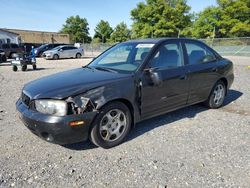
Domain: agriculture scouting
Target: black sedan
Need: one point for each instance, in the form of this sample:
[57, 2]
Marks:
[128, 83]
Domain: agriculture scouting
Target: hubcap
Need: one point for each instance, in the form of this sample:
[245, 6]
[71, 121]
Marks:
[219, 94]
[113, 125]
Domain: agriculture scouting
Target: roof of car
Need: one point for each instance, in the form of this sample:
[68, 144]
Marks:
[156, 40]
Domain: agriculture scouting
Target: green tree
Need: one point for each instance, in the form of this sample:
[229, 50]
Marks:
[77, 28]
[230, 18]
[160, 18]
[121, 33]
[103, 31]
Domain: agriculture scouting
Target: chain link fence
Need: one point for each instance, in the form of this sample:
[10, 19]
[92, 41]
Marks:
[230, 46]
[224, 46]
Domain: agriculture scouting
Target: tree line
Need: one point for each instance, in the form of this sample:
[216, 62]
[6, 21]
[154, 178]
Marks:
[168, 18]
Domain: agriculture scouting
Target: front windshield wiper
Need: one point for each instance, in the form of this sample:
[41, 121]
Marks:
[88, 67]
[106, 69]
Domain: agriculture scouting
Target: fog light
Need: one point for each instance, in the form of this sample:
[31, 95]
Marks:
[76, 123]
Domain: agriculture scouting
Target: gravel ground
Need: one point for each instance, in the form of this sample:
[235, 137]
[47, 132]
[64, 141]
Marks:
[192, 147]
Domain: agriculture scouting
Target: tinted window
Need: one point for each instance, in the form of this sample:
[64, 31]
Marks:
[168, 56]
[5, 46]
[198, 53]
[71, 48]
[65, 48]
[14, 46]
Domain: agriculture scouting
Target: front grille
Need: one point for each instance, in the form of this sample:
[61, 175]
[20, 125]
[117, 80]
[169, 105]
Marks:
[25, 99]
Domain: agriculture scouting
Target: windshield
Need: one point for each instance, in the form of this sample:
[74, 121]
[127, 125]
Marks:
[124, 57]
[43, 46]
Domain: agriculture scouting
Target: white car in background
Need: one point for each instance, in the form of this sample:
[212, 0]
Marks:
[64, 51]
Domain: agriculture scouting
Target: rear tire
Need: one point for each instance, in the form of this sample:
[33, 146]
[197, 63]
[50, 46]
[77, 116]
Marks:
[217, 96]
[111, 125]
[56, 57]
[14, 68]
[34, 67]
[78, 55]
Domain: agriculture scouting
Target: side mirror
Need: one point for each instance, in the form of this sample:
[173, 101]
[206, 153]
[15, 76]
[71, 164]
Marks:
[60, 50]
[154, 76]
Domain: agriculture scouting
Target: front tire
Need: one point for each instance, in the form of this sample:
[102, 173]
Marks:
[111, 125]
[217, 96]
[56, 57]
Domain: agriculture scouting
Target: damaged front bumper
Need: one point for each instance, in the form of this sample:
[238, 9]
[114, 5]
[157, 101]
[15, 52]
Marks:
[56, 129]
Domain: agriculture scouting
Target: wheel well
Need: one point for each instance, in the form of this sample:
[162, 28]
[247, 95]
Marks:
[224, 80]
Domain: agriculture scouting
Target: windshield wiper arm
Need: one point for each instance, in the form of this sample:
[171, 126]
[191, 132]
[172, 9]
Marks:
[88, 67]
[105, 69]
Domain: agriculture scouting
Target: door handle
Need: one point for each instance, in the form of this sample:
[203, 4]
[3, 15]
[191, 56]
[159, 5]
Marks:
[183, 77]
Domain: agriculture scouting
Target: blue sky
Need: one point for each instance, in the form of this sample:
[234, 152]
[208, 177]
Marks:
[49, 15]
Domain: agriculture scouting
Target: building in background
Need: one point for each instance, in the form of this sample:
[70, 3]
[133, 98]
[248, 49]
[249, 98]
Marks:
[7, 36]
[36, 37]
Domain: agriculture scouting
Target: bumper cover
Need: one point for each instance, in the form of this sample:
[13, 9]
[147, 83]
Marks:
[53, 128]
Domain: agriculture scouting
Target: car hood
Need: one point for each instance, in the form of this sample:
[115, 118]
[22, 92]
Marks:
[70, 83]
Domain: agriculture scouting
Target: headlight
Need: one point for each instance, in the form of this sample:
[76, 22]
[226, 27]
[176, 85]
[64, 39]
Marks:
[53, 107]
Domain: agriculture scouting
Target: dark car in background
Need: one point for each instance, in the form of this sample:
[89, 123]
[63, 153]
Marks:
[39, 51]
[2, 56]
[128, 83]
[10, 49]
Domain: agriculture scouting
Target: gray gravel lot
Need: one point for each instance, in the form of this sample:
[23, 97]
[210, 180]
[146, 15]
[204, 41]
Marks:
[192, 147]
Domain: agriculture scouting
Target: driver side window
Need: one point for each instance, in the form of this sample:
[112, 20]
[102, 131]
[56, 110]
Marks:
[168, 56]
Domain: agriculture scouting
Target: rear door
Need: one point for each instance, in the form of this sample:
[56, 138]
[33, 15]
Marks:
[72, 51]
[64, 52]
[172, 93]
[202, 68]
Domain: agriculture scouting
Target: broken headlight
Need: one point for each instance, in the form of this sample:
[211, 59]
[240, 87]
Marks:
[53, 107]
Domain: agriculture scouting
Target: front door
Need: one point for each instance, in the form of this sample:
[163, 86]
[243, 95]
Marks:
[172, 93]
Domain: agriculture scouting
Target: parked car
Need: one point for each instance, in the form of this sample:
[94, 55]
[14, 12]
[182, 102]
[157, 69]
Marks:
[65, 51]
[126, 84]
[39, 51]
[2, 56]
[11, 49]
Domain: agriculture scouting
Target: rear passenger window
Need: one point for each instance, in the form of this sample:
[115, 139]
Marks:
[198, 53]
[168, 56]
